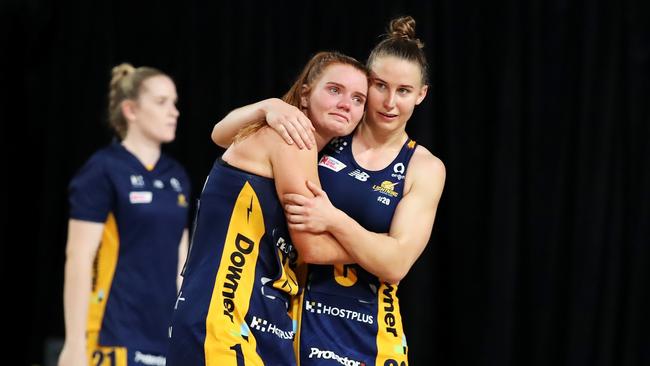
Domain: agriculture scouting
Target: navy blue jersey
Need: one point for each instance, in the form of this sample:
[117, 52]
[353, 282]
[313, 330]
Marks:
[348, 315]
[233, 307]
[134, 274]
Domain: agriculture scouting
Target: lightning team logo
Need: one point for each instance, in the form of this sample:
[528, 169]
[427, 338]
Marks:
[386, 187]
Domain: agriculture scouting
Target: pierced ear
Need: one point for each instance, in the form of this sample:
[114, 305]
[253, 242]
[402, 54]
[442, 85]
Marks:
[422, 95]
[128, 109]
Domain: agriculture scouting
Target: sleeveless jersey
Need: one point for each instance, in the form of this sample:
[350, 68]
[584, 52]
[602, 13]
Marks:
[238, 281]
[348, 315]
[134, 274]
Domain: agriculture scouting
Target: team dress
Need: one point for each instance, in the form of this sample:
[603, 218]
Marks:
[348, 316]
[234, 304]
[144, 212]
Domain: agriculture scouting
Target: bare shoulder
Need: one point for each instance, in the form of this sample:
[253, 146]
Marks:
[426, 174]
[424, 163]
[281, 150]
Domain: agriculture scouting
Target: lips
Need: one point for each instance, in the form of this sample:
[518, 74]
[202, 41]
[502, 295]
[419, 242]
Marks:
[387, 115]
[340, 116]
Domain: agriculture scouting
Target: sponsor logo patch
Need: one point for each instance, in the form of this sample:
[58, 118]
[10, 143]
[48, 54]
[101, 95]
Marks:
[386, 187]
[329, 355]
[331, 163]
[320, 308]
[140, 197]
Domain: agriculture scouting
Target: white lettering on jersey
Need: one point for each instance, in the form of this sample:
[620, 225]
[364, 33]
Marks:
[384, 200]
[330, 355]
[147, 359]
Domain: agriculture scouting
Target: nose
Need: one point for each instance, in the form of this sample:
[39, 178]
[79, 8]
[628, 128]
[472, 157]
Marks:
[174, 111]
[344, 104]
[389, 100]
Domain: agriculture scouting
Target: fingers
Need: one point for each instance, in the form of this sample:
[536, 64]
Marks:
[297, 227]
[315, 189]
[294, 210]
[285, 134]
[295, 199]
[299, 128]
[295, 219]
[309, 129]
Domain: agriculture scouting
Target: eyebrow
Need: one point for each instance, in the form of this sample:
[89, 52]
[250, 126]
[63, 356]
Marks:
[343, 87]
[400, 86]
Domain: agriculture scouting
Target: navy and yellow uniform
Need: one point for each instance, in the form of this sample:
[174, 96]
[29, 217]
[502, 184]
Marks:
[238, 281]
[144, 212]
[348, 316]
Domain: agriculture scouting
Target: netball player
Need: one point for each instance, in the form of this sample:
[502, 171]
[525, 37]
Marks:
[233, 308]
[385, 191]
[127, 232]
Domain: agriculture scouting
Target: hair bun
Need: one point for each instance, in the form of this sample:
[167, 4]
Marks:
[404, 28]
[120, 71]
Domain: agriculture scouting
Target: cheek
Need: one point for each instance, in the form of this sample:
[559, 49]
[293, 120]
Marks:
[407, 104]
[374, 99]
[357, 114]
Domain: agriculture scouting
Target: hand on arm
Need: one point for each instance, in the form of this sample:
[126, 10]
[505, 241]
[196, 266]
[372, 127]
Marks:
[83, 240]
[291, 169]
[288, 121]
[389, 257]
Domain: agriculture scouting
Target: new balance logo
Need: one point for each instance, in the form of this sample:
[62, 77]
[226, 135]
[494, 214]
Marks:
[362, 176]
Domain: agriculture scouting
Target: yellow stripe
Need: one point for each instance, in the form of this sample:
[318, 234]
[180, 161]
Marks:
[295, 311]
[287, 282]
[226, 329]
[104, 356]
[391, 342]
[103, 271]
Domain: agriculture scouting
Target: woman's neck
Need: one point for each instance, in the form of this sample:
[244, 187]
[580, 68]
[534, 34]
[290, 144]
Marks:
[321, 141]
[147, 151]
[374, 138]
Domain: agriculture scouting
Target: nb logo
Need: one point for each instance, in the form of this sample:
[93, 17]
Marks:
[362, 176]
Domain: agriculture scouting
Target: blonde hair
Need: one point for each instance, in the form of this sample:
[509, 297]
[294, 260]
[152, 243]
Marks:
[126, 84]
[309, 76]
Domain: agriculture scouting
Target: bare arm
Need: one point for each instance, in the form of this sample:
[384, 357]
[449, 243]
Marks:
[83, 240]
[291, 169]
[287, 120]
[182, 256]
[389, 257]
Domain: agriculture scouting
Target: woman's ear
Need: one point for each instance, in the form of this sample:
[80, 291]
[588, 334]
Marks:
[304, 96]
[422, 94]
[128, 109]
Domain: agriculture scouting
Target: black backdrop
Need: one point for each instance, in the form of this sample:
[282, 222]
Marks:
[539, 109]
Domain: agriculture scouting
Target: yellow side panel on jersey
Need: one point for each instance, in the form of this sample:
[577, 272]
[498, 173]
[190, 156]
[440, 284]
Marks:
[227, 335]
[295, 311]
[103, 271]
[391, 342]
[104, 356]
[287, 282]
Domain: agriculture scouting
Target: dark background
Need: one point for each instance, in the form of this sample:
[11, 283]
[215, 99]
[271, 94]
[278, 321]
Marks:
[539, 109]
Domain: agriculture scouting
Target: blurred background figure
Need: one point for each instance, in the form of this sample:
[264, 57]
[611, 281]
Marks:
[127, 235]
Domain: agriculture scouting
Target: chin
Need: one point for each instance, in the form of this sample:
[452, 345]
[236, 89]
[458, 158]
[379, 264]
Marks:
[167, 139]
